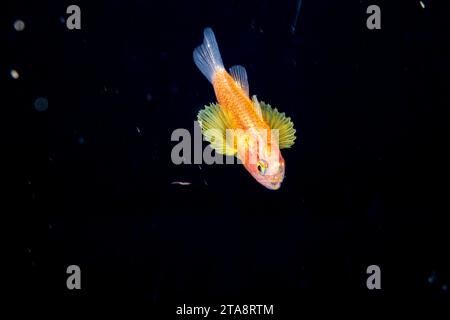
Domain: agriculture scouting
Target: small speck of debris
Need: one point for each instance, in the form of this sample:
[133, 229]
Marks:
[41, 104]
[14, 74]
[182, 183]
[422, 4]
[206, 183]
[432, 277]
[138, 130]
[200, 167]
[19, 25]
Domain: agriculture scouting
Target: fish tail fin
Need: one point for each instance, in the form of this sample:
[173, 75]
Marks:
[207, 56]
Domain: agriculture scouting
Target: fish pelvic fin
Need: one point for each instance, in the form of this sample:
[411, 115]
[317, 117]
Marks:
[207, 56]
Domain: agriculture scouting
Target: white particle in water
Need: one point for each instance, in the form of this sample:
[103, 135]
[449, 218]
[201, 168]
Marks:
[14, 74]
[41, 104]
[432, 277]
[19, 25]
[181, 183]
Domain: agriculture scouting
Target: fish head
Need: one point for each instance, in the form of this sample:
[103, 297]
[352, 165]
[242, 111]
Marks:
[268, 169]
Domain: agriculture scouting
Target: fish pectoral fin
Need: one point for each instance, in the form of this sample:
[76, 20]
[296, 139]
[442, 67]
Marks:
[278, 120]
[214, 123]
[239, 75]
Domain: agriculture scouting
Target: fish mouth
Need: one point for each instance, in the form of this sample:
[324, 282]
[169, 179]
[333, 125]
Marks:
[274, 185]
[274, 182]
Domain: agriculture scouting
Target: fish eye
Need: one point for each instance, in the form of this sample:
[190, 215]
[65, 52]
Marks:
[262, 166]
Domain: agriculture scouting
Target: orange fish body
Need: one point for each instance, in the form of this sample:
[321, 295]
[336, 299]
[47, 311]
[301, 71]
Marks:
[232, 98]
[254, 124]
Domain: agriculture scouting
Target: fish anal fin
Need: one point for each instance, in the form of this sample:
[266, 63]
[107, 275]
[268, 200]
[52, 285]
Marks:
[214, 123]
[239, 75]
[278, 120]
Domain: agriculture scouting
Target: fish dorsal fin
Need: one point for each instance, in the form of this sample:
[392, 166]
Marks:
[214, 122]
[239, 75]
[257, 106]
[278, 120]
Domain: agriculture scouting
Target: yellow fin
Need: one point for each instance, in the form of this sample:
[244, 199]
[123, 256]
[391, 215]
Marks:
[214, 122]
[278, 120]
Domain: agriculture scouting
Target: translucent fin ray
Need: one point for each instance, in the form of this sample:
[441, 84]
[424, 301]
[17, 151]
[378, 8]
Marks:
[214, 123]
[277, 120]
[239, 75]
[207, 56]
[257, 105]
